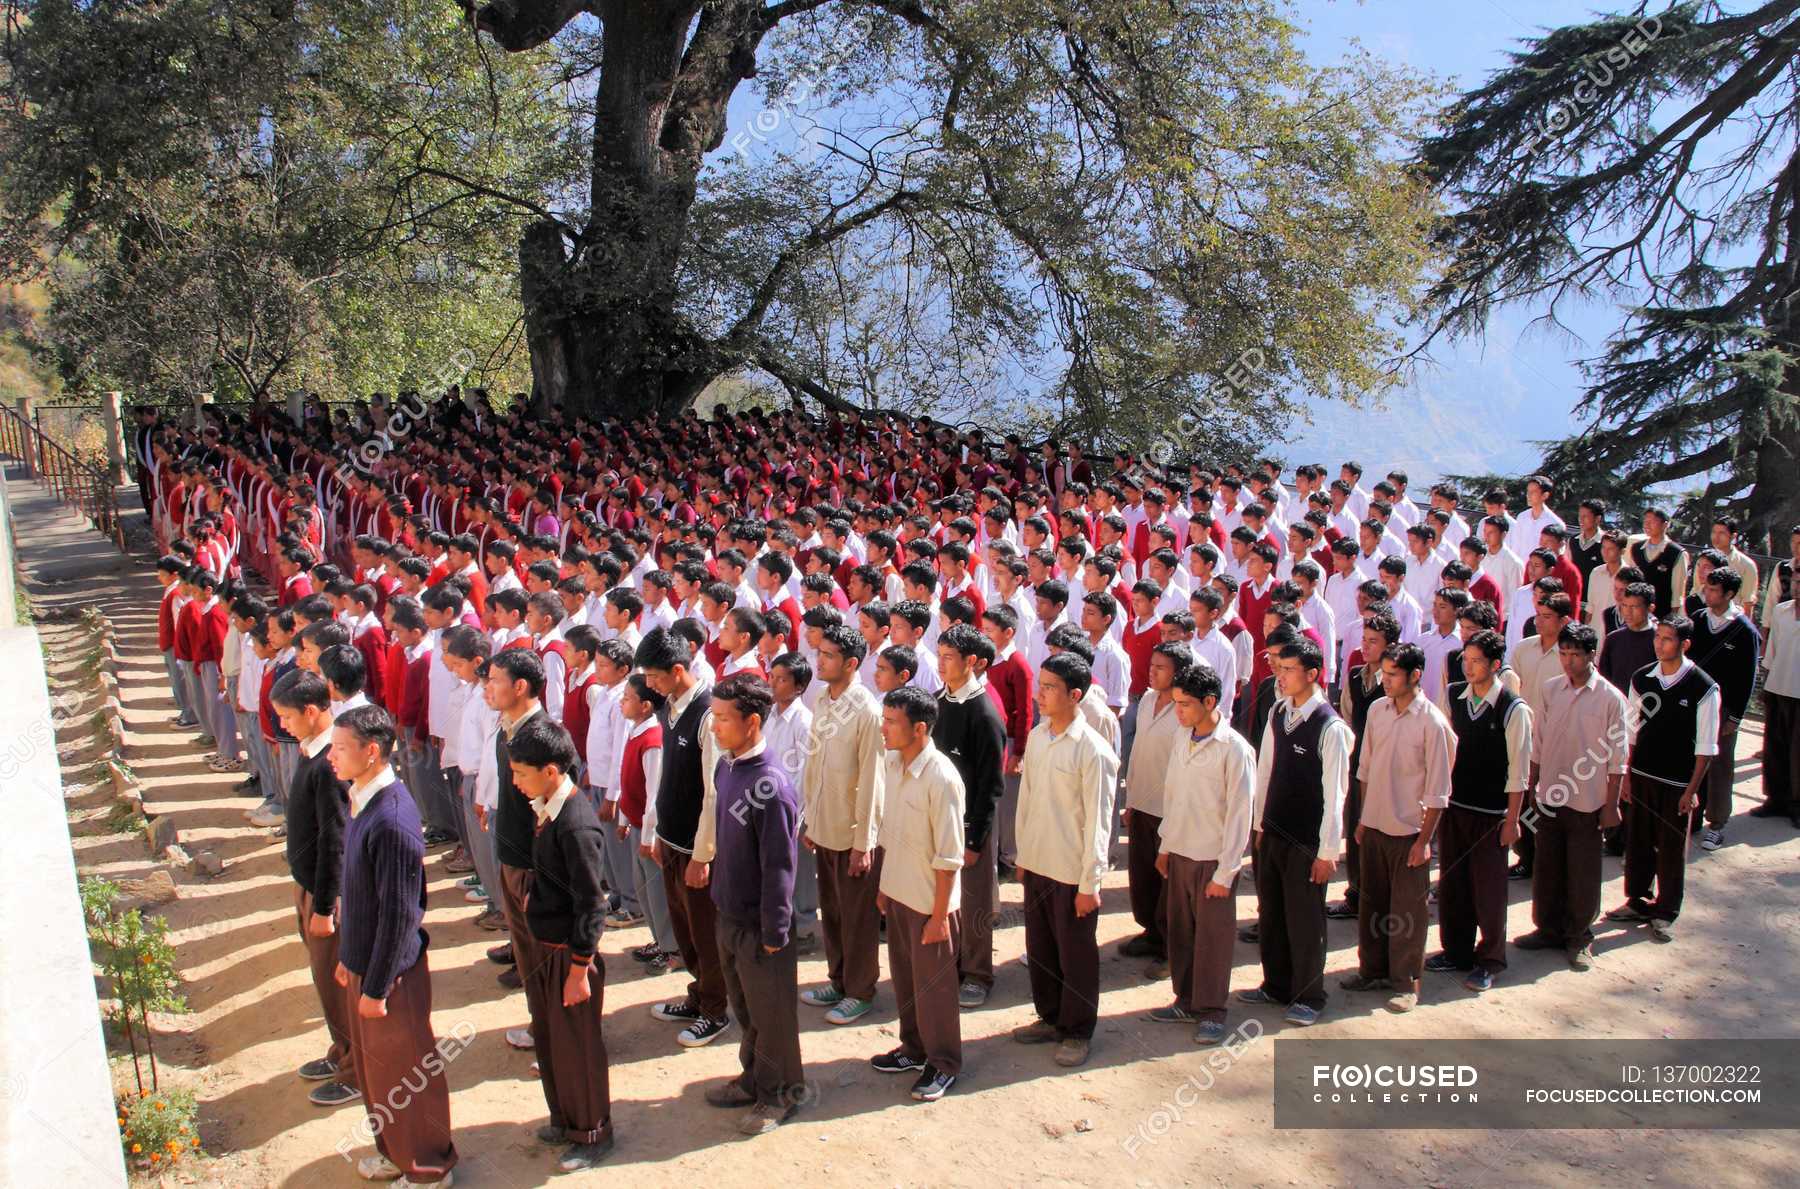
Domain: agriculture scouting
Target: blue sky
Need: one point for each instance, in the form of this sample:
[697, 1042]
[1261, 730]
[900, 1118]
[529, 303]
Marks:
[1487, 400]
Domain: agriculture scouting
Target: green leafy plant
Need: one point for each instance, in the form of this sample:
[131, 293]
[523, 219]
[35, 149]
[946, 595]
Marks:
[157, 1128]
[134, 954]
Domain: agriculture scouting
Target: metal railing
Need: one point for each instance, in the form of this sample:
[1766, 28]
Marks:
[82, 486]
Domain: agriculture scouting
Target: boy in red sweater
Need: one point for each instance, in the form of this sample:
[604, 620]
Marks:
[174, 596]
[213, 625]
[1009, 684]
[186, 646]
[370, 637]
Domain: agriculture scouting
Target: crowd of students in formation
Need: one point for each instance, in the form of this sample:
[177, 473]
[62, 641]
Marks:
[766, 684]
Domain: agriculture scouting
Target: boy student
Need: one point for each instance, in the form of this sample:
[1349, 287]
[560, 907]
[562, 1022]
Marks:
[564, 914]
[514, 688]
[169, 569]
[639, 772]
[1675, 734]
[1203, 839]
[757, 818]
[923, 843]
[279, 659]
[682, 840]
[1302, 770]
[1576, 798]
[419, 759]
[1404, 770]
[382, 964]
[842, 790]
[969, 731]
[1065, 820]
[369, 637]
[244, 687]
[1009, 681]
[1146, 795]
[908, 623]
[317, 814]
[1493, 728]
[1781, 699]
[1726, 647]
[470, 734]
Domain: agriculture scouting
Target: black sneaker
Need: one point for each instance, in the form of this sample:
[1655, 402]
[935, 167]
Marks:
[932, 1085]
[502, 954]
[509, 978]
[806, 943]
[1445, 964]
[645, 952]
[1250, 933]
[551, 1133]
[1518, 871]
[702, 1032]
[582, 1156]
[321, 1070]
[896, 1062]
[660, 964]
[436, 837]
[677, 1011]
[1342, 910]
[333, 1094]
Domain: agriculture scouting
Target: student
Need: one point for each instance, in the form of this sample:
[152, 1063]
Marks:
[514, 689]
[370, 638]
[1404, 770]
[248, 615]
[211, 620]
[639, 776]
[1380, 633]
[317, 811]
[1675, 731]
[920, 876]
[1663, 563]
[1065, 816]
[382, 963]
[1146, 793]
[1726, 646]
[565, 914]
[757, 819]
[1781, 704]
[1204, 839]
[1577, 766]
[842, 793]
[467, 745]
[1494, 730]
[169, 570]
[1009, 682]
[1302, 770]
[1632, 644]
[681, 831]
[1535, 659]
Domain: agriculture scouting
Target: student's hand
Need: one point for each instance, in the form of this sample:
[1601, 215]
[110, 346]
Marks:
[881, 903]
[1215, 891]
[859, 863]
[1420, 852]
[647, 850]
[1359, 833]
[481, 817]
[697, 874]
[1322, 870]
[807, 843]
[1085, 904]
[321, 925]
[1509, 831]
[575, 988]
[1162, 864]
[1690, 800]
[771, 949]
[371, 1009]
[609, 810]
[625, 831]
[936, 931]
[1015, 765]
[1610, 817]
[971, 857]
[342, 975]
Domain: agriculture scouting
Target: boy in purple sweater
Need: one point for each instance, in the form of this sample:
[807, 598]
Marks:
[381, 960]
[752, 877]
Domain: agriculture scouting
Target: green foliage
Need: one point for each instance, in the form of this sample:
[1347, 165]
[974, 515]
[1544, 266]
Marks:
[158, 1128]
[134, 955]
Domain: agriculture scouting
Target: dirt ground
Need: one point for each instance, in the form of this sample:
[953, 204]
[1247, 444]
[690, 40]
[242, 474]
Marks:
[1014, 1118]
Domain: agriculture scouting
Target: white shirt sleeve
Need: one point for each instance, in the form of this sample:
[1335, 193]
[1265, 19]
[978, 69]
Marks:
[652, 781]
[1518, 747]
[1334, 753]
[1265, 765]
[1240, 794]
[1706, 726]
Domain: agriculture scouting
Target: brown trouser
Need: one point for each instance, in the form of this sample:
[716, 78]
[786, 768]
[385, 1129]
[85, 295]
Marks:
[692, 917]
[1149, 898]
[925, 987]
[405, 1094]
[1716, 796]
[765, 998]
[975, 959]
[1656, 847]
[515, 891]
[1063, 952]
[1781, 753]
[322, 958]
[1472, 888]
[1565, 882]
[1202, 932]
[1393, 912]
[850, 921]
[571, 1051]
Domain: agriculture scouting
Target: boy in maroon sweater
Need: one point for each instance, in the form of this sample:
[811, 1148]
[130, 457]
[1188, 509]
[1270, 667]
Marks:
[1009, 684]
[370, 637]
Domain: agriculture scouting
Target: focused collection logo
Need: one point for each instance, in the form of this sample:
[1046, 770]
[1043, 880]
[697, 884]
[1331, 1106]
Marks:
[1396, 1083]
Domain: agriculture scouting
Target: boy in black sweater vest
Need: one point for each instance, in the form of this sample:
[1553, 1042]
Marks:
[970, 731]
[1726, 647]
[566, 914]
[317, 810]
[1675, 721]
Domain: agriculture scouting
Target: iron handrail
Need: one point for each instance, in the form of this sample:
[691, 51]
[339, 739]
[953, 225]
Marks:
[82, 486]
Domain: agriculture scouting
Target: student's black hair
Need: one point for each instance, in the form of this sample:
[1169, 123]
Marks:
[542, 742]
[847, 640]
[299, 689]
[1681, 625]
[969, 643]
[1409, 658]
[902, 659]
[1200, 682]
[640, 685]
[1306, 652]
[407, 613]
[369, 724]
[1071, 670]
[465, 643]
[583, 638]
[521, 664]
[343, 667]
[1003, 616]
[664, 650]
[1055, 590]
[1490, 644]
[749, 693]
[325, 635]
[918, 706]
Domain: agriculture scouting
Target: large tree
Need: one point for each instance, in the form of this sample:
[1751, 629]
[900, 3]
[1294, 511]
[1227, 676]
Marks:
[1081, 210]
[1649, 158]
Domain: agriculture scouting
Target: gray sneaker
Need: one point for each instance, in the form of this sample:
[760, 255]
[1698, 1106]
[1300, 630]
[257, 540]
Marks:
[1711, 839]
[1301, 1015]
[1172, 1013]
[1209, 1032]
[1662, 929]
[1581, 958]
[971, 994]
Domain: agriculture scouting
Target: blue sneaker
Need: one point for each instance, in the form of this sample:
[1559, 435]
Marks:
[1479, 979]
[1209, 1032]
[1301, 1015]
[1259, 997]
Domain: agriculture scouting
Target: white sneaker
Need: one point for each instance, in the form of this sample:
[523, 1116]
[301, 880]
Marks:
[267, 815]
[377, 1168]
[520, 1038]
[445, 1182]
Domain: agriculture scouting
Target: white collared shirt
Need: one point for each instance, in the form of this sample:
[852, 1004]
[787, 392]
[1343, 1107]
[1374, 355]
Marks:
[547, 810]
[362, 794]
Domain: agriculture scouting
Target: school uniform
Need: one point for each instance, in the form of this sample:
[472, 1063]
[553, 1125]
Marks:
[757, 819]
[1210, 795]
[1065, 811]
[1146, 793]
[1577, 744]
[1493, 749]
[318, 811]
[1302, 771]
[566, 916]
[684, 798]
[382, 943]
[1727, 650]
[284, 747]
[842, 797]
[1675, 719]
[1781, 703]
[167, 613]
[1404, 768]
[970, 733]
[922, 835]
[1664, 565]
[639, 772]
